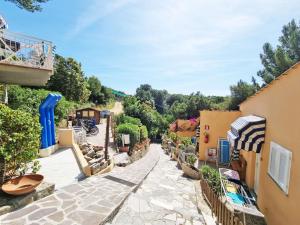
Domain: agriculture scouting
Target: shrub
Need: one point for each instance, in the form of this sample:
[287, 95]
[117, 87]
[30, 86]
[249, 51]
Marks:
[122, 118]
[191, 159]
[131, 129]
[19, 139]
[144, 133]
[29, 100]
[212, 177]
[173, 136]
[156, 124]
[186, 141]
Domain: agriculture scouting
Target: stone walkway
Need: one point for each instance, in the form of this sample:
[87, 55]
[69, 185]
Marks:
[164, 198]
[92, 201]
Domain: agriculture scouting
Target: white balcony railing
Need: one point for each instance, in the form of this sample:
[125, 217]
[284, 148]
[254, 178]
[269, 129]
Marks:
[22, 50]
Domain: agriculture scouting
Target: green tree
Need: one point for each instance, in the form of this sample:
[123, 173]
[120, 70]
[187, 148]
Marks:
[239, 93]
[68, 79]
[276, 61]
[143, 93]
[106, 95]
[179, 110]
[29, 100]
[173, 98]
[95, 89]
[195, 103]
[29, 5]
[156, 124]
[160, 97]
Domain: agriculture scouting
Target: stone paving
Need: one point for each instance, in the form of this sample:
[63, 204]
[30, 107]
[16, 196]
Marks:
[89, 202]
[164, 198]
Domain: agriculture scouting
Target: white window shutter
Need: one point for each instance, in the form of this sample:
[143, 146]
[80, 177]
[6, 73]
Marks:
[282, 170]
[280, 165]
[273, 160]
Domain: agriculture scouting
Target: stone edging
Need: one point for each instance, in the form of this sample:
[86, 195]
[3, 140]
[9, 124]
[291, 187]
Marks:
[84, 166]
[12, 203]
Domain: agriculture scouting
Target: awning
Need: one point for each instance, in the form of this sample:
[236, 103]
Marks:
[247, 133]
[3, 24]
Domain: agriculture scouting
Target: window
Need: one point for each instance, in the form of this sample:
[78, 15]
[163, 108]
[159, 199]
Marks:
[85, 113]
[280, 165]
[91, 113]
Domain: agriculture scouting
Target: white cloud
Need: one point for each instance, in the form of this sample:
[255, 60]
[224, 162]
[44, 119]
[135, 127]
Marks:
[96, 10]
[176, 38]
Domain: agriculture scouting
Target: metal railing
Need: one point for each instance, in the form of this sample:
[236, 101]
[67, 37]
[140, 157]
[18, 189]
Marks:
[22, 50]
[79, 135]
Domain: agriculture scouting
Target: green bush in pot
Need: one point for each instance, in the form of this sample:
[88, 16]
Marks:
[212, 177]
[186, 141]
[19, 140]
[131, 129]
[191, 159]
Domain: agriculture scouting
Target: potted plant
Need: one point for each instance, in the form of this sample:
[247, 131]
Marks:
[189, 169]
[124, 149]
[19, 143]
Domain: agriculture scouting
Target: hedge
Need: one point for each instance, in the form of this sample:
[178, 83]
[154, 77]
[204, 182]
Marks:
[29, 100]
[131, 129]
[122, 118]
[19, 139]
[144, 133]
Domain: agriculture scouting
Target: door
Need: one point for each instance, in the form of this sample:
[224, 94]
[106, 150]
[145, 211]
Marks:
[257, 172]
[224, 151]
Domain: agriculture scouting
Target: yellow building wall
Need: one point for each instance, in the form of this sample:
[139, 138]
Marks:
[280, 105]
[65, 137]
[219, 123]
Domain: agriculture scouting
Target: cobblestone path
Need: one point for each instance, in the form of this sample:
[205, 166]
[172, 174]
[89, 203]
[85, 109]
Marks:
[164, 198]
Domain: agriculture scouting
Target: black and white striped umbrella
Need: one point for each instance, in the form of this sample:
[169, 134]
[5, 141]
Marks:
[247, 133]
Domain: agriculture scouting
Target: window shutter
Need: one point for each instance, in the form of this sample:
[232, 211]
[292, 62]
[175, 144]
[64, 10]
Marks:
[284, 173]
[279, 165]
[272, 163]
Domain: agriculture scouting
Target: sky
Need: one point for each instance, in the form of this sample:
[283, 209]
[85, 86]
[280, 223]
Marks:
[182, 46]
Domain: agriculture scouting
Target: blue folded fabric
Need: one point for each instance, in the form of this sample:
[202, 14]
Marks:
[236, 198]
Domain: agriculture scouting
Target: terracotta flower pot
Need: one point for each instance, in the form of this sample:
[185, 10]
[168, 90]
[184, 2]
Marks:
[124, 149]
[23, 184]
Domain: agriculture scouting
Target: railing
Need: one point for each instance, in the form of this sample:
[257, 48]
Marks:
[223, 214]
[79, 135]
[22, 50]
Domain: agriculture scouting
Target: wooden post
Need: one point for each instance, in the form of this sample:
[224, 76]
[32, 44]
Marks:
[2, 169]
[107, 137]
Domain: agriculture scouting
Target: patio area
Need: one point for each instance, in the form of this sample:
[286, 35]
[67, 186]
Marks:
[61, 168]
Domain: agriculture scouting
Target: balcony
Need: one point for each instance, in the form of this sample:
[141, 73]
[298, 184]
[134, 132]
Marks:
[24, 60]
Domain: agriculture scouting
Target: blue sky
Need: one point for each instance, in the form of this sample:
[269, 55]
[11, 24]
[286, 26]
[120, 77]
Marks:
[182, 46]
